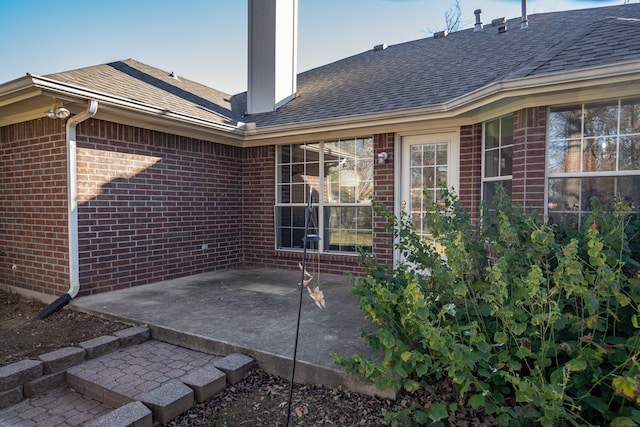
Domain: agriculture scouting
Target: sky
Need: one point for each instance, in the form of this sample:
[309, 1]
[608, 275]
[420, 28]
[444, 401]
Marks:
[206, 40]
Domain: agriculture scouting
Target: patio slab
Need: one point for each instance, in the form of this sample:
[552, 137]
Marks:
[251, 311]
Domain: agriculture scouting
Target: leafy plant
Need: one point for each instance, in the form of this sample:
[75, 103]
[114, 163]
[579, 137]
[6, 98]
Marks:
[533, 325]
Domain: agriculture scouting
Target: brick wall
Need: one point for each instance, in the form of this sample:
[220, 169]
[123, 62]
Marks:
[155, 206]
[258, 183]
[471, 169]
[383, 178]
[258, 218]
[529, 145]
[149, 201]
[258, 196]
[33, 206]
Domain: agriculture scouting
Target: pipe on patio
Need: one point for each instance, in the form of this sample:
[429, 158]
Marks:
[72, 207]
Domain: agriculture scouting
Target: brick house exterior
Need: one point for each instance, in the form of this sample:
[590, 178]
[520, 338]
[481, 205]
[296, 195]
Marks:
[173, 179]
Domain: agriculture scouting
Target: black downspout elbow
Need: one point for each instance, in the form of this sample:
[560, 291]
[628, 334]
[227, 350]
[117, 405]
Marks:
[53, 307]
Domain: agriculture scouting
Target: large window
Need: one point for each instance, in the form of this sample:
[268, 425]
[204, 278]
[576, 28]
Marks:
[498, 158]
[339, 177]
[593, 150]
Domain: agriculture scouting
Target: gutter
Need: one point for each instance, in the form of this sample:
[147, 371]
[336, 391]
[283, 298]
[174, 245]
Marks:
[72, 212]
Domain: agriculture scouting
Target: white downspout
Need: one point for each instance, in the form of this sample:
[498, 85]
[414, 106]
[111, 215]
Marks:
[72, 196]
[72, 210]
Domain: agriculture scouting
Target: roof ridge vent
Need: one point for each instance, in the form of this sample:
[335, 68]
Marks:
[441, 34]
[379, 47]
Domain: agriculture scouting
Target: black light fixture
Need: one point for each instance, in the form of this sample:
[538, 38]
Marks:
[57, 111]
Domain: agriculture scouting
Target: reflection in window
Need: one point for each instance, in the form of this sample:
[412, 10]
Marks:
[593, 151]
[429, 168]
[339, 177]
[498, 158]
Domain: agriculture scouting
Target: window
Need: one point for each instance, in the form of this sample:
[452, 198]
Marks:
[498, 158]
[593, 150]
[340, 177]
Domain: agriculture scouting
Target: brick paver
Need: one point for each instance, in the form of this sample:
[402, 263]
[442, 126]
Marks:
[97, 386]
[60, 408]
[138, 369]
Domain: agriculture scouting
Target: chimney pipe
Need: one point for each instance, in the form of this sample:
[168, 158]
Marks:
[524, 23]
[272, 73]
[478, 25]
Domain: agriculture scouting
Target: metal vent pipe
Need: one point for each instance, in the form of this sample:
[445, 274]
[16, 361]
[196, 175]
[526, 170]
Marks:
[524, 23]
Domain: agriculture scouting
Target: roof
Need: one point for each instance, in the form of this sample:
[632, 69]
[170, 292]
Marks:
[436, 73]
[430, 71]
[135, 81]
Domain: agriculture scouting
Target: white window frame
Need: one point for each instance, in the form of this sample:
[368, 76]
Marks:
[617, 173]
[499, 178]
[317, 205]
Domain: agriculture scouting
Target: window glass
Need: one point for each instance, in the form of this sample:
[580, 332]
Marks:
[630, 116]
[593, 151]
[498, 158]
[339, 176]
[565, 123]
[599, 154]
[600, 119]
[489, 192]
[630, 152]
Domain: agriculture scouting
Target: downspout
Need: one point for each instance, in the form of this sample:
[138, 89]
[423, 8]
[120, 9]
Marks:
[72, 208]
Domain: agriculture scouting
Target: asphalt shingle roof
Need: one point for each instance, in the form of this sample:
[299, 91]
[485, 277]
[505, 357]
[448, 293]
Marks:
[429, 71]
[420, 73]
[135, 81]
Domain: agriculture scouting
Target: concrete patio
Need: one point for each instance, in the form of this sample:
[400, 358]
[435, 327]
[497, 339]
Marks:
[250, 311]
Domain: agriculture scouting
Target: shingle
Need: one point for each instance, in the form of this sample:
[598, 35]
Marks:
[135, 81]
[430, 72]
[421, 73]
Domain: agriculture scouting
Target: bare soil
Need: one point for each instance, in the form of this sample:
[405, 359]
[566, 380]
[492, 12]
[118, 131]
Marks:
[22, 337]
[260, 400]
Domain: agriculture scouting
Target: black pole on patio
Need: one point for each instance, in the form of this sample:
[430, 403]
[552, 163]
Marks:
[305, 239]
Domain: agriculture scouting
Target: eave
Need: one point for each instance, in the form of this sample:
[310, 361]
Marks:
[34, 95]
[482, 104]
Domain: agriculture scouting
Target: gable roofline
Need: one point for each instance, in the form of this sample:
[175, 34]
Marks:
[108, 100]
[138, 113]
[40, 91]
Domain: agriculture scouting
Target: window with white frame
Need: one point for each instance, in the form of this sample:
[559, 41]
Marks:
[498, 158]
[593, 150]
[339, 176]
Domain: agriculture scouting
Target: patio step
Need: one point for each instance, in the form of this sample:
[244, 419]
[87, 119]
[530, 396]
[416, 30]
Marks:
[147, 382]
[164, 377]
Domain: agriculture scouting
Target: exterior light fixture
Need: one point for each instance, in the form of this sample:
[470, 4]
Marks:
[57, 111]
[382, 157]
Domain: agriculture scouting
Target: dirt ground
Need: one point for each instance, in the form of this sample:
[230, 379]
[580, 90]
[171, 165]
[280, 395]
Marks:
[260, 400]
[25, 338]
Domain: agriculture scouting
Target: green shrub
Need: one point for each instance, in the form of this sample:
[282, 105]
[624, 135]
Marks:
[533, 324]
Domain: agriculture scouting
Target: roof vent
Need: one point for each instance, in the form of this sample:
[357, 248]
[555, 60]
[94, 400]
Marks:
[478, 25]
[524, 23]
[440, 34]
[502, 28]
[379, 47]
[498, 21]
